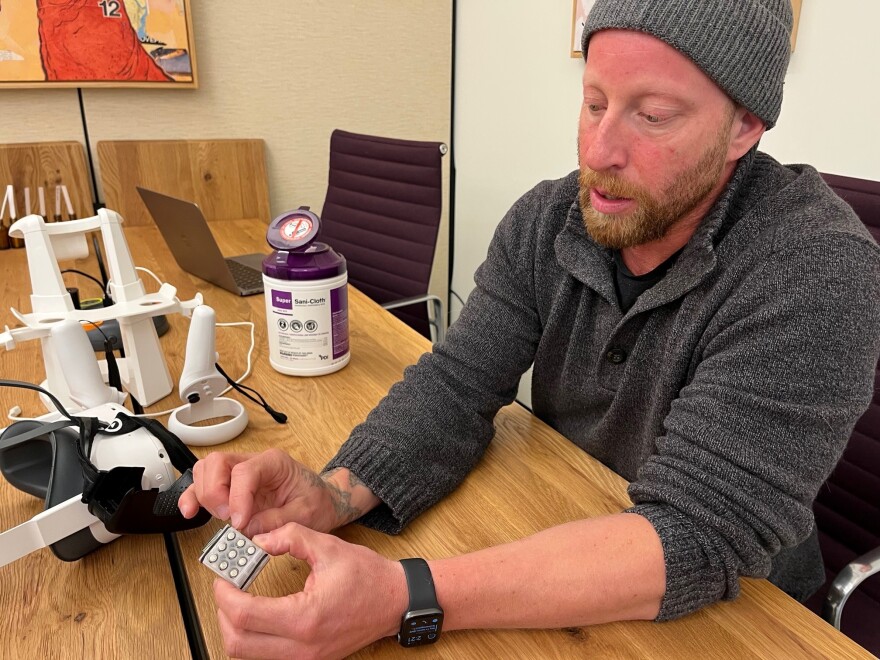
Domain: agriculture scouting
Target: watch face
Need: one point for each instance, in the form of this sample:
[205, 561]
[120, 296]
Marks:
[420, 627]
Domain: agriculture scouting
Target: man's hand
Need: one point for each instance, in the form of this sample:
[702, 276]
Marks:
[351, 598]
[261, 492]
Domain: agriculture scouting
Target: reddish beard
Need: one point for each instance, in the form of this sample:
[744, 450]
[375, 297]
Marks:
[654, 216]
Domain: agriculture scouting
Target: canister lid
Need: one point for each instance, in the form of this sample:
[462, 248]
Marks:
[317, 261]
[293, 230]
[297, 255]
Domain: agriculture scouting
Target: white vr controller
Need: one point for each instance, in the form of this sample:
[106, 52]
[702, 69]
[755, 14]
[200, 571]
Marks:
[76, 357]
[200, 383]
[200, 387]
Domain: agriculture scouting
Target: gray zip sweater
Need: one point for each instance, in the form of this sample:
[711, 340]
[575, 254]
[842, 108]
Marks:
[725, 395]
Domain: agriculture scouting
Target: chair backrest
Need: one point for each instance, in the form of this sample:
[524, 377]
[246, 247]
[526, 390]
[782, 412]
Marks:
[847, 508]
[382, 212]
[226, 178]
[47, 164]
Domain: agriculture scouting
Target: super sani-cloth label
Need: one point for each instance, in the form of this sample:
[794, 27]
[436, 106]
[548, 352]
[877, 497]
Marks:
[310, 328]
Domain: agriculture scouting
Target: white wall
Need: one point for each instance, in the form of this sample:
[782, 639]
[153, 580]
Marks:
[832, 91]
[517, 96]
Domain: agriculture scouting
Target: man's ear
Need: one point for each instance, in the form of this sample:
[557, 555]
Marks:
[745, 132]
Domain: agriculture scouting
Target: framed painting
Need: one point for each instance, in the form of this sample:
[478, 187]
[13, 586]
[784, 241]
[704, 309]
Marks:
[96, 43]
[796, 9]
[582, 8]
[579, 16]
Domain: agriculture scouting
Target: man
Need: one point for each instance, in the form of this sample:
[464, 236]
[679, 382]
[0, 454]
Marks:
[702, 319]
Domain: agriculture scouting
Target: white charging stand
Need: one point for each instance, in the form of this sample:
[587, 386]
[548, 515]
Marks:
[143, 370]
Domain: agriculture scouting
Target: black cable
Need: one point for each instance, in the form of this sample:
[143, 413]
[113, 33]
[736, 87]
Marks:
[136, 405]
[86, 426]
[100, 259]
[96, 203]
[106, 300]
[106, 338]
[457, 296]
[114, 379]
[82, 113]
[36, 388]
[452, 177]
[86, 275]
[279, 417]
[138, 409]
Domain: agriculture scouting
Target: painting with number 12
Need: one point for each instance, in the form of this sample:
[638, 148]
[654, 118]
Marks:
[96, 43]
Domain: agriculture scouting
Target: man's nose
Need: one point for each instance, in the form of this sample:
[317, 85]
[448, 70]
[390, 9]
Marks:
[604, 145]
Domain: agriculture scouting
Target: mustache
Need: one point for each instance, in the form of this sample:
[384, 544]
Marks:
[610, 185]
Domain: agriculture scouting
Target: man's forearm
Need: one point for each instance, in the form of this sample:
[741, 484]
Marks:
[585, 572]
[351, 497]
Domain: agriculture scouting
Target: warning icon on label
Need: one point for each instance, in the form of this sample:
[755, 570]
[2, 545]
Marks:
[282, 324]
[311, 326]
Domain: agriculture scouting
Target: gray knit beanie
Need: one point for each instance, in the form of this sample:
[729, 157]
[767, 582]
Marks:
[743, 45]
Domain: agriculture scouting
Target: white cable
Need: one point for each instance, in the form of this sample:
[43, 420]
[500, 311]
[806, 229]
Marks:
[241, 379]
[150, 273]
[160, 413]
[14, 414]
[247, 371]
[145, 270]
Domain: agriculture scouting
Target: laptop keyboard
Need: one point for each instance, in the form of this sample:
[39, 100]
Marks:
[245, 277]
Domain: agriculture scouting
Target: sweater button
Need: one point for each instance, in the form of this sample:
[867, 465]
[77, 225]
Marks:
[616, 355]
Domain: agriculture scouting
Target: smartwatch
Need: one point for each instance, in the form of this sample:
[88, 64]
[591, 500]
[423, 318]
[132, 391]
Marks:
[423, 619]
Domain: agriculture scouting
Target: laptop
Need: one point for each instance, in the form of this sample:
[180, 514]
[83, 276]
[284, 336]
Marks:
[189, 238]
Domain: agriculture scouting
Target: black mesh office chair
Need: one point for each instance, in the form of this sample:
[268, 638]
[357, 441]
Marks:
[382, 212]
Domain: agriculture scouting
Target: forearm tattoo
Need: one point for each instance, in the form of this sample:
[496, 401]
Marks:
[341, 499]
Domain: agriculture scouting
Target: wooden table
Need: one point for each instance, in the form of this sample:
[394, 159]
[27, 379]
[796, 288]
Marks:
[524, 484]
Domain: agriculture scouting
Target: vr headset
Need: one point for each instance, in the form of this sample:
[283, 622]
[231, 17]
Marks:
[101, 473]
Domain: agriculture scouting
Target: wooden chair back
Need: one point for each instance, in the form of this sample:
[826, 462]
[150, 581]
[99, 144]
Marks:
[47, 164]
[226, 178]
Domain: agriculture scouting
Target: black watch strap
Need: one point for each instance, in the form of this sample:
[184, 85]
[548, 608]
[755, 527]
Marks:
[422, 622]
[420, 583]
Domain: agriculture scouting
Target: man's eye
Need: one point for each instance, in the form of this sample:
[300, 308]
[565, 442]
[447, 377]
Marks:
[594, 107]
[652, 119]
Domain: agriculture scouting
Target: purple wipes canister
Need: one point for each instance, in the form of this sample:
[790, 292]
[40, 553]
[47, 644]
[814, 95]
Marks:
[306, 291]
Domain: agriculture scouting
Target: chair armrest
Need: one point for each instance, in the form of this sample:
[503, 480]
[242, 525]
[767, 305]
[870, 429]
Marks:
[437, 321]
[405, 302]
[849, 578]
